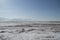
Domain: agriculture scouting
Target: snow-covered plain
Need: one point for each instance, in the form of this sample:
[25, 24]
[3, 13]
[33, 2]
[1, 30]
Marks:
[28, 33]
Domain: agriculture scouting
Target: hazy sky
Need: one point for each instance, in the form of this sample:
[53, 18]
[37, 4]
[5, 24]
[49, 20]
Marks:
[30, 9]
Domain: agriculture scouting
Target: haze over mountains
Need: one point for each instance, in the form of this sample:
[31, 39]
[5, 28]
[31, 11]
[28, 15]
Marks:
[14, 19]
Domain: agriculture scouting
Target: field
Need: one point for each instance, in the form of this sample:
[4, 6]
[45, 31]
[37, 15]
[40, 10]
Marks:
[30, 31]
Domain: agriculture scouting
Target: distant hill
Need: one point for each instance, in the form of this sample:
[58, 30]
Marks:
[2, 19]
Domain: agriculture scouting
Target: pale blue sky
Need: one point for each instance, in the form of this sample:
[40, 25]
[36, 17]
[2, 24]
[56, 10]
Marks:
[42, 10]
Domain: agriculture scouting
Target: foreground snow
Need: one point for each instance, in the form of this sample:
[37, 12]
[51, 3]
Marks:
[30, 35]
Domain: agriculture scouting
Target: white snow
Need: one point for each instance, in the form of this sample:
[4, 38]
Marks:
[32, 35]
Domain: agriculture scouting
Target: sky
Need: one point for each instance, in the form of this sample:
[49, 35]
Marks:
[40, 10]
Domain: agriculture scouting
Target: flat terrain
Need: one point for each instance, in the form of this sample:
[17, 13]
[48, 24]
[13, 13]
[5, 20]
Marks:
[30, 31]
